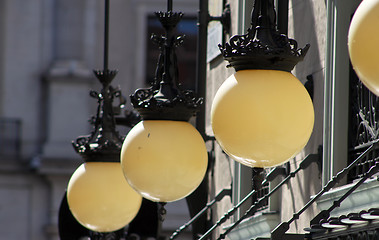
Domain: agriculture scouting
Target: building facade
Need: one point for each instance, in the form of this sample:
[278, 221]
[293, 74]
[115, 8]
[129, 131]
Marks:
[344, 120]
[48, 50]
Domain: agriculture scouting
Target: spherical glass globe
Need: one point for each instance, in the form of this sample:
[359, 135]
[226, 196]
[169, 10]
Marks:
[99, 197]
[363, 42]
[164, 160]
[262, 118]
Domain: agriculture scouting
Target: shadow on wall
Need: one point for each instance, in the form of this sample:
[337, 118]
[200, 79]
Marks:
[309, 26]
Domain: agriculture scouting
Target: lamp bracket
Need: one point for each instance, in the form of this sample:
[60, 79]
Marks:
[104, 143]
[165, 100]
[263, 47]
[224, 19]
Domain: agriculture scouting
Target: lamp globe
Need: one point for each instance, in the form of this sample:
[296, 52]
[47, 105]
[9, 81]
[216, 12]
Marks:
[363, 41]
[164, 160]
[99, 197]
[262, 118]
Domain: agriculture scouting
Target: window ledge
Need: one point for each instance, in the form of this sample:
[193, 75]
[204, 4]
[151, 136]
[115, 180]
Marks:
[260, 225]
[363, 198]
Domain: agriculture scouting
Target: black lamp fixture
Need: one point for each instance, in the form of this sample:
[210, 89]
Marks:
[97, 194]
[262, 115]
[164, 157]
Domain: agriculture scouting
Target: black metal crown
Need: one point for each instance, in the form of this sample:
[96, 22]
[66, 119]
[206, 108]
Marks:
[164, 100]
[263, 47]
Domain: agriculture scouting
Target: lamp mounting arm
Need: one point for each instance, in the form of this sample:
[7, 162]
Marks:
[224, 19]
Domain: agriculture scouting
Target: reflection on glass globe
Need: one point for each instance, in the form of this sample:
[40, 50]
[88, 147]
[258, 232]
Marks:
[262, 118]
[363, 42]
[164, 160]
[99, 197]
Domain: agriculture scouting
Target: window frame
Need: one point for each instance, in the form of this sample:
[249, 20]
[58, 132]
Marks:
[336, 88]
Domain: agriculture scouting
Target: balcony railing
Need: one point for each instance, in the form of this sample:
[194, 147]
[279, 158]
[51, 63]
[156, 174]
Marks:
[10, 138]
[363, 127]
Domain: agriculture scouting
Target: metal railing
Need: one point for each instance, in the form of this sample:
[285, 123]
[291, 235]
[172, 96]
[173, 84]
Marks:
[279, 233]
[364, 165]
[303, 165]
[270, 176]
[219, 197]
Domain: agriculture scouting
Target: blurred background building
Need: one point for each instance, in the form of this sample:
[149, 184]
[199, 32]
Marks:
[48, 49]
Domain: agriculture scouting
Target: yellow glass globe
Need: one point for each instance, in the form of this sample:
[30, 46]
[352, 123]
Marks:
[99, 197]
[363, 42]
[262, 118]
[164, 160]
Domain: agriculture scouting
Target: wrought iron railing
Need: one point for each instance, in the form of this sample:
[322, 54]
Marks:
[303, 165]
[370, 232]
[363, 126]
[219, 197]
[363, 166]
[322, 221]
[10, 137]
[280, 230]
[273, 174]
[258, 204]
[261, 192]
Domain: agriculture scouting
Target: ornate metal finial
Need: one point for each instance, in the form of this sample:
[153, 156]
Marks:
[164, 100]
[104, 143]
[263, 47]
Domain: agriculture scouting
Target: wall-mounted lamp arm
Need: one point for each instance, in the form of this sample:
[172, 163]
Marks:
[224, 19]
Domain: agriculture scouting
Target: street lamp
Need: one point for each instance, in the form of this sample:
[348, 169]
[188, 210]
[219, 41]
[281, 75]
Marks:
[262, 115]
[363, 41]
[164, 157]
[97, 194]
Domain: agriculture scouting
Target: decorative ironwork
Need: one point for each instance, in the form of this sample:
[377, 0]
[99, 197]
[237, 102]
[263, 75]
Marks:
[363, 126]
[269, 177]
[224, 19]
[253, 209]
[104, 143]
[323, 215]
[262, 191]
[219, 197]
[283, 227]
[368, 230]
[164, 100]
[263, 47]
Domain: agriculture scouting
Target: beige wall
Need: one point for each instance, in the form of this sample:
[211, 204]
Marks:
[307, 24]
